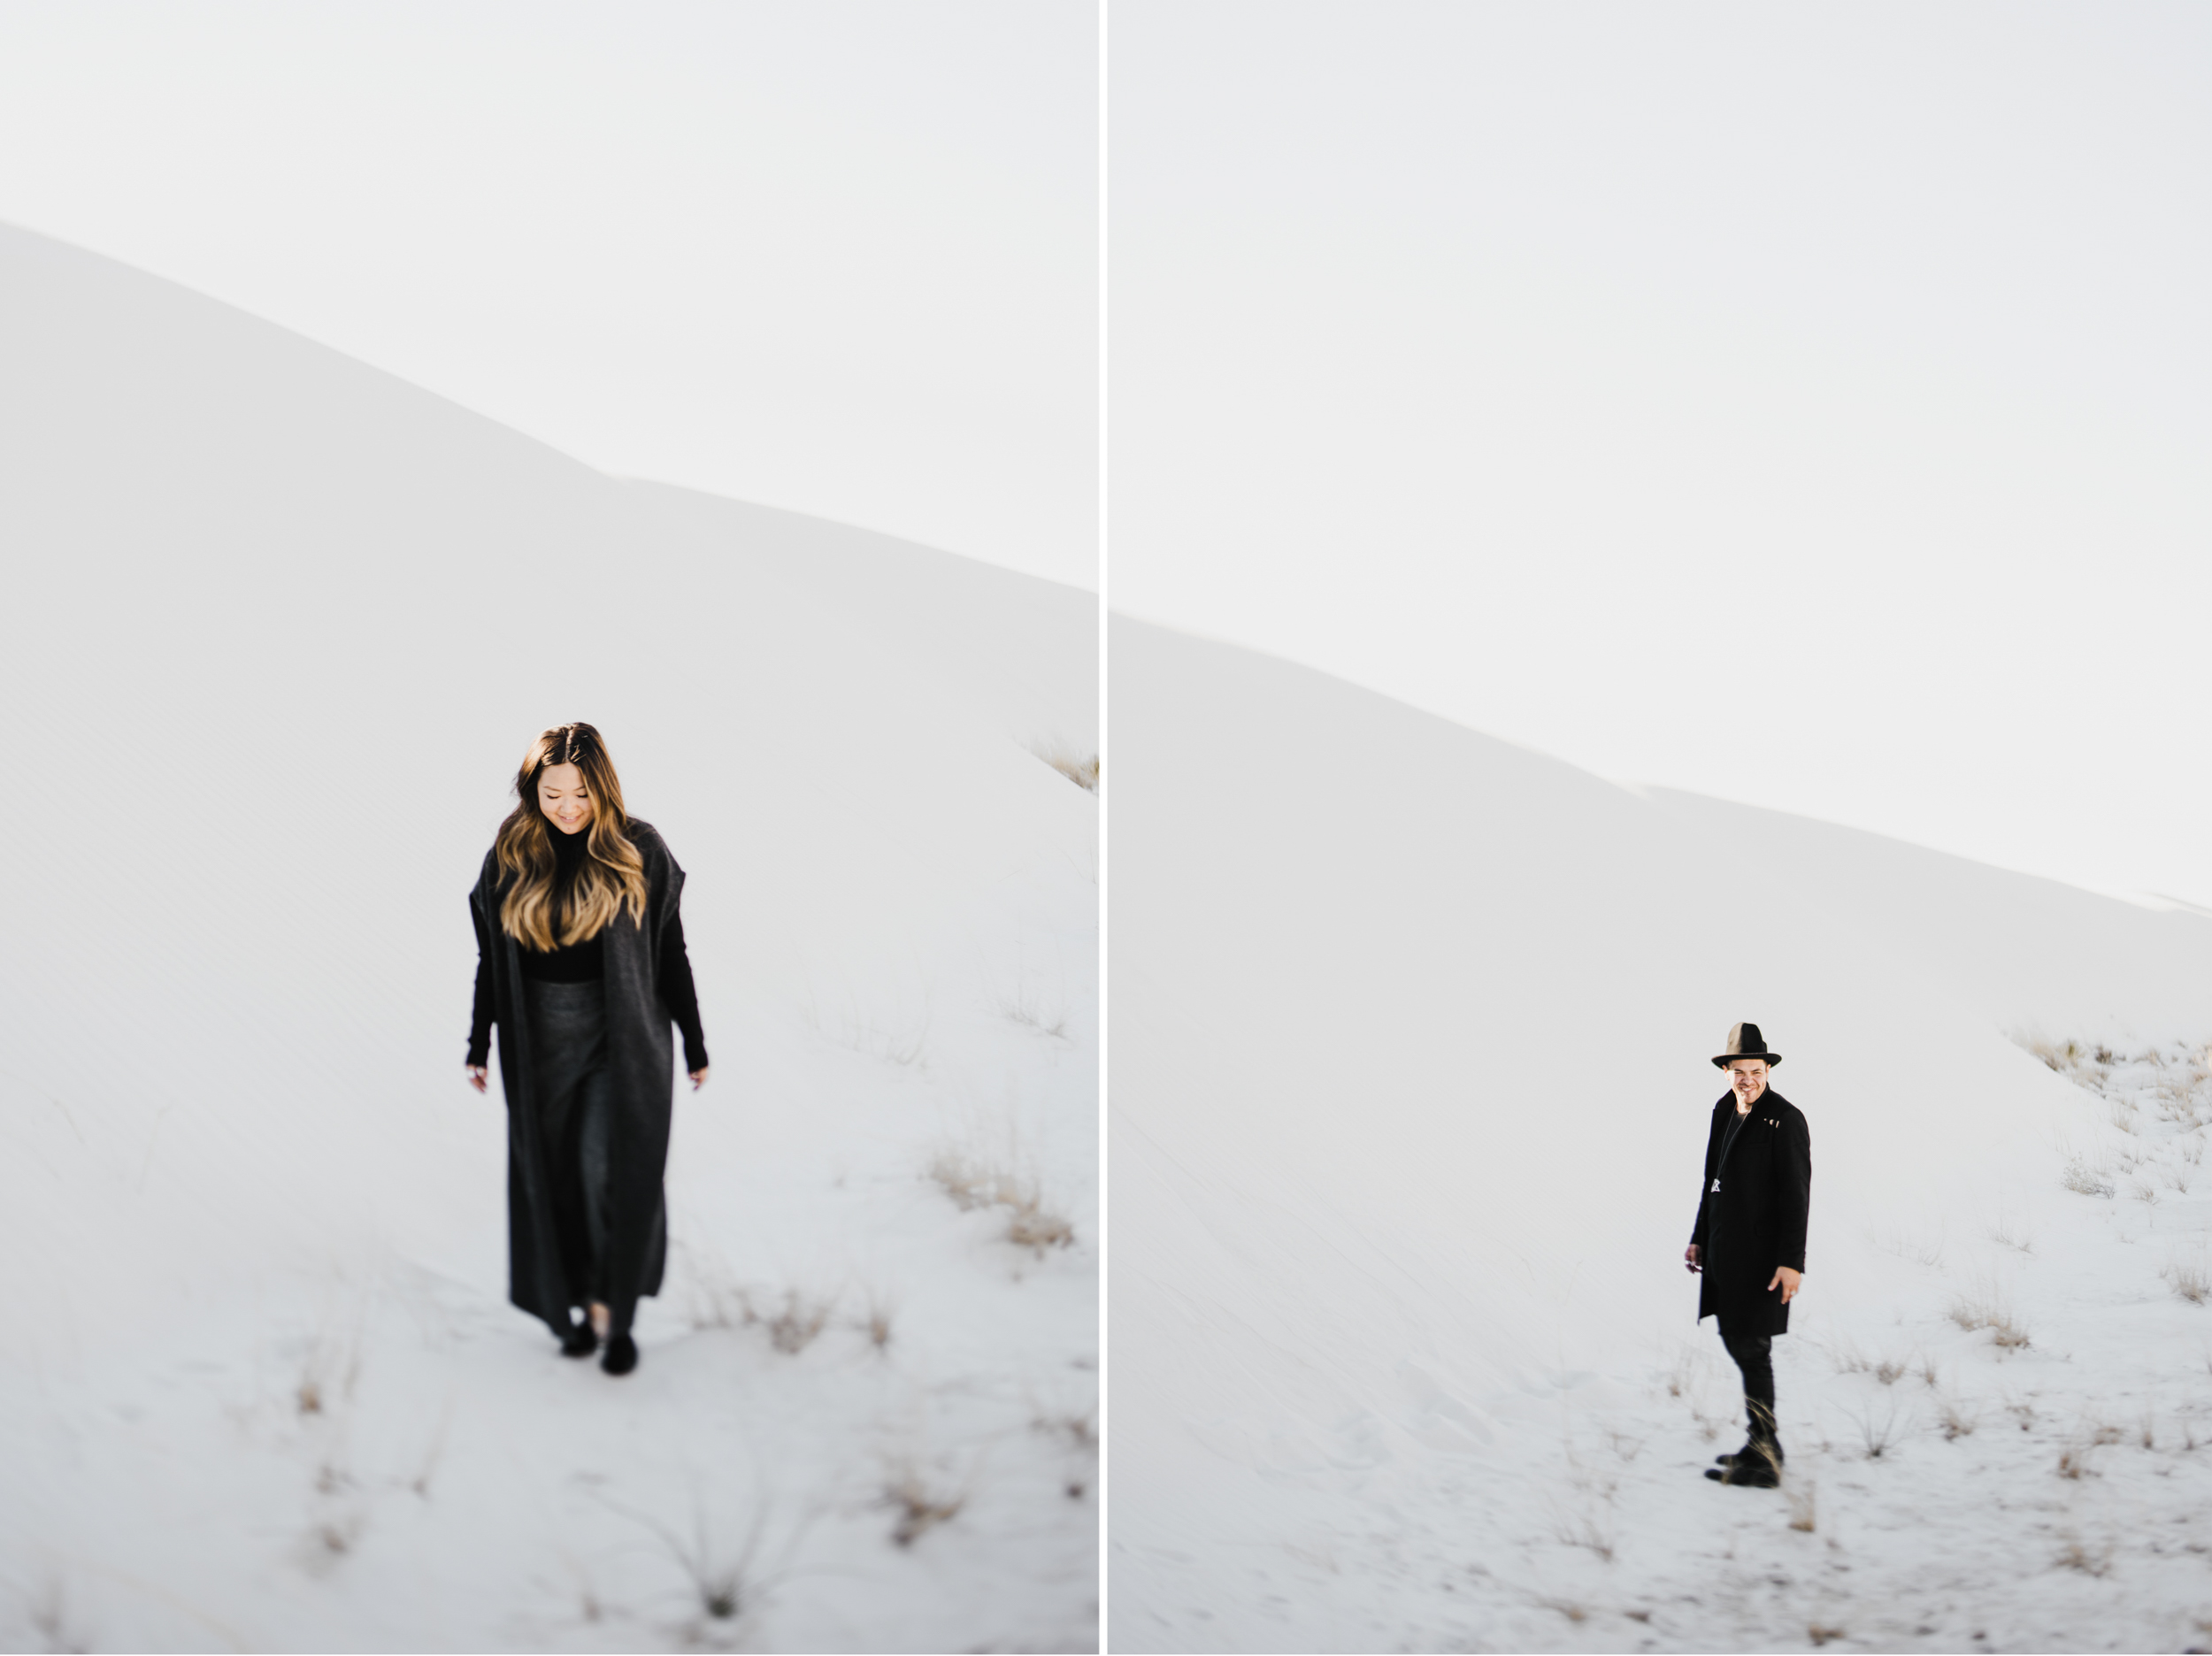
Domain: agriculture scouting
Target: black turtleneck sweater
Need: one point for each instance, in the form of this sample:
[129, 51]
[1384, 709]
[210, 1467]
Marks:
[580, 963]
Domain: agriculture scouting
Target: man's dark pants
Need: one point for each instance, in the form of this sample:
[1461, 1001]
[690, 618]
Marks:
[1754, 1356]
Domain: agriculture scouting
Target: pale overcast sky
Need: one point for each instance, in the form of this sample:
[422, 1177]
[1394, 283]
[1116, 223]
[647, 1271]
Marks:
[835, 257]
[1808, 405]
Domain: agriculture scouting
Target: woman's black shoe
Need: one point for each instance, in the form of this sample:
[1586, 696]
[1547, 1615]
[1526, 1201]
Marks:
[579, 1341]
[621, 1354]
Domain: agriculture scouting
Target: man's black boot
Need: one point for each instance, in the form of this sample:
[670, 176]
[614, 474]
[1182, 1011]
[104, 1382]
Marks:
[1758, 1464]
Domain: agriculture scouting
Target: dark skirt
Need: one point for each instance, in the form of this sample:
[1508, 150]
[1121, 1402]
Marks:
[574, 1095]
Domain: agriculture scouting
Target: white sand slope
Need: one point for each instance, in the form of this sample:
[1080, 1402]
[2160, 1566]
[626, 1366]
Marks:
[276, 630]
[1410, 1087]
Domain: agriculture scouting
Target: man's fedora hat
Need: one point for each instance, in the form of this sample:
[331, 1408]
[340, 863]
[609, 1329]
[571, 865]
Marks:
[1745, 1041]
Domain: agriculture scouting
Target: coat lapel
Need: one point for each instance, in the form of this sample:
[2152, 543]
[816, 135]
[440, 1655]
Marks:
[1762, 1111]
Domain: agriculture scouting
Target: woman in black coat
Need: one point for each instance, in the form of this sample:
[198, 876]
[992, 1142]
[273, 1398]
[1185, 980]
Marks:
[1748, 1242]
[581, 964]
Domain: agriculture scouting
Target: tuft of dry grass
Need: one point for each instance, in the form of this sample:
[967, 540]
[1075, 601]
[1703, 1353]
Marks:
[717, 1300]
[1889, 1371]
[1081, 1430]
[1082, 771]
[1972, 1312]
[876, 1319]
[1586, 1531]
[902, 1041]
[972, 1182]
[919, 1506]
[2075, 1556]
[794, 1328]
[1878, 1433]
[1847, 1358]
[2190, 1279]
[2073, 1459]
[1797, 1489]
[1030, 1226]
[1027, 1007]
[1820, 1634]
[1956, 1420]
[725, 1583]
[2081, 1178]
[2006, 1235]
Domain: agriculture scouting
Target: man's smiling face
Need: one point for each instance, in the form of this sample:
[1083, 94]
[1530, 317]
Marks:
[1747, 1078]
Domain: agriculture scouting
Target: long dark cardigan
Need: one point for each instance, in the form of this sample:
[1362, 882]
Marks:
[1756, 1221]
[641, 1059]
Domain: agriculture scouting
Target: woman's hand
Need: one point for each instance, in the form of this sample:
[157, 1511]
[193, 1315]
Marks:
[1692, 1258]
[476, 1076]
[699, 1077]
[1786, 1280]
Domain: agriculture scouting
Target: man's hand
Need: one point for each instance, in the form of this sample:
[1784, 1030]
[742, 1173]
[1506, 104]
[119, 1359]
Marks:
[1693, 1259]
[476, 1076]
[1787, 1280]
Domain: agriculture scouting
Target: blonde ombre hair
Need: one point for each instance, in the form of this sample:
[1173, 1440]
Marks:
[613, 873]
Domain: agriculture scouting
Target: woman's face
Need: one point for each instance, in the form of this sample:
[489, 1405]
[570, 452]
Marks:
[563, 797]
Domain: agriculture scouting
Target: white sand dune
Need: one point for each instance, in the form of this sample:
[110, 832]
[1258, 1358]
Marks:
[276, 629]
[1410, 1094]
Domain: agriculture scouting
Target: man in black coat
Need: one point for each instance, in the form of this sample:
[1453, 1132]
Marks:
[1749, 1241]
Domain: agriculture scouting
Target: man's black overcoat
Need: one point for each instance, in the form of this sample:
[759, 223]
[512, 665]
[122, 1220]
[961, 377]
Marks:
[1755, 1220]
[541, 1261]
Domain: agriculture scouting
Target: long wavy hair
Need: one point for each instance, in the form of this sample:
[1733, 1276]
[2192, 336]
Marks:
[613, 873]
